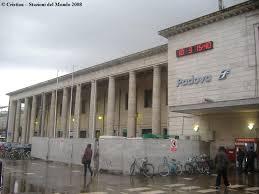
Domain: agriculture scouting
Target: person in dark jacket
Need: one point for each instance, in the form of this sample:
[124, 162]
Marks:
[240, 159]
[251, 155]
[221, 162]
[87, 158]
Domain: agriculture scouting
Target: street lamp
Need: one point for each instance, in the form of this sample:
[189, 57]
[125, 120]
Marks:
[250, 126]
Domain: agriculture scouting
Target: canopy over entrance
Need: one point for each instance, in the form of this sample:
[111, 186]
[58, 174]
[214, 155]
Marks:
[241, 105]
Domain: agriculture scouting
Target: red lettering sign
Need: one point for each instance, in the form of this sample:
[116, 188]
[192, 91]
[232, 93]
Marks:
[194, 49]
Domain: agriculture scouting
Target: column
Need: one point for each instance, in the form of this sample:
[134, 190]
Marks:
[110, 106]
[92, 115]
[33, 117]
[25, 119]
[11, 121]
[132, 106]
[17, 121]
[64, 112]
[50, 129]
[77, 110]
[156, 104]
[43, 114]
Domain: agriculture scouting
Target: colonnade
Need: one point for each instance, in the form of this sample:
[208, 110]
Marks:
[30, 110]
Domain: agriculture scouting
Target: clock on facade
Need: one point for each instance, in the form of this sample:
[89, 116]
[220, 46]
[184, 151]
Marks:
[194, 49]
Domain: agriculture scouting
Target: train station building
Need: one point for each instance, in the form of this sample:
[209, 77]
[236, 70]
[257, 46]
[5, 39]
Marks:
[202, 85]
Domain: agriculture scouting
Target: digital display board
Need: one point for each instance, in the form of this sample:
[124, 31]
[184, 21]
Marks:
[194, 49]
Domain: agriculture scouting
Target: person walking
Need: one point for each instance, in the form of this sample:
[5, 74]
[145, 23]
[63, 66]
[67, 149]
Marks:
[240, 159]
[87, 158]
[251, 155]
[221, 162]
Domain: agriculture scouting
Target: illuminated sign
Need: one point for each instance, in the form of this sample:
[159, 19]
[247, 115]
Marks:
[247, 140]
[194, 49]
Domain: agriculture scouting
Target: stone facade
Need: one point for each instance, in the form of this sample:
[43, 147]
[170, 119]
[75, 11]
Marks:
[97, 102]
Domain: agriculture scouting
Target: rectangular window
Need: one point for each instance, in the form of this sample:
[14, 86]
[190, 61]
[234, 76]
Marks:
[146, 131]
[126, 101]
[148, 98]
[82, 134]
[60, 110]
[73, 107]
[83, 108]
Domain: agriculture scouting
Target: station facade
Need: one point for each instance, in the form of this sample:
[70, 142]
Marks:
[202, 85]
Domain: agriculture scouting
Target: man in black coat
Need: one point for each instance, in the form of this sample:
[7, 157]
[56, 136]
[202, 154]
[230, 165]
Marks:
[222, 162]
[240, 159]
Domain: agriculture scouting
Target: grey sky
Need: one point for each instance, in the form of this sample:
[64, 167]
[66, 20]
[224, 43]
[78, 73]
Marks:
[36, 41]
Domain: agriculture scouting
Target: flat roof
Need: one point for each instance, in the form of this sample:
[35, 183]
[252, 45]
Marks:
[118, 61]
[210, 18]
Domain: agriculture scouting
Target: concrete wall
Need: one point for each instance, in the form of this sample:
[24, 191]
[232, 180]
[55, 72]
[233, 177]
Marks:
[117, 154]
[60, 149]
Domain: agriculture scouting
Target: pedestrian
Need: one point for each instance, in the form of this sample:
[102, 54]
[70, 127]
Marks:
[240, 159]
[251, 155]
[221, 162]
[87, 158]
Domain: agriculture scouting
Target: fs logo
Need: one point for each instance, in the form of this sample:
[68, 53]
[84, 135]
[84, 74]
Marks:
[223, 74]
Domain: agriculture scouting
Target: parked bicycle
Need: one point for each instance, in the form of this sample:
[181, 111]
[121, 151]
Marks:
[15, 151]
[145, 168]
[170, 167]
[197, 165]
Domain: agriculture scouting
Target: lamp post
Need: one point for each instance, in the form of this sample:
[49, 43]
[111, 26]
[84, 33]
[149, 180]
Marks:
[71, 100]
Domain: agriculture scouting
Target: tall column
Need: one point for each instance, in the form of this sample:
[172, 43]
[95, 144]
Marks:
[110, 106]
[132, 106]
[77, 110]
[17, 121]
[156, 104]
[25, 119]
[33, 117]
[51, 115]
[11, 121]
[43, 114]
[64, 112]
[92, 118]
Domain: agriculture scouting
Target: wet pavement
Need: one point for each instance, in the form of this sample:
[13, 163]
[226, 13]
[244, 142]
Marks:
[36, 176]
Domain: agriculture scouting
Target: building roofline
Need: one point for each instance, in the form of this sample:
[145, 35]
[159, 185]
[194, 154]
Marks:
[210, 18]
[138, 55]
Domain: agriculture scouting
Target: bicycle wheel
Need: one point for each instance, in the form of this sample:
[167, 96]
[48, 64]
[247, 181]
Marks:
[148, 170]
[132, 169]
[188, 168]
[163, 170]
[179, 169]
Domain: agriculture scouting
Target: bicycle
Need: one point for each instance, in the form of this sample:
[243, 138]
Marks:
[147, 169]
[197, 165]
[169, 167]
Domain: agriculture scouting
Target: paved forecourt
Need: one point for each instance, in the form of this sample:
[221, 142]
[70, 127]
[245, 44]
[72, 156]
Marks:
[38, 176]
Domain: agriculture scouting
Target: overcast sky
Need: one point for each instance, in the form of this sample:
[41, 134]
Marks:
[35, 42]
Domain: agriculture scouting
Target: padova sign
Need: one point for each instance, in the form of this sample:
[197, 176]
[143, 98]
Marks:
[201, 79]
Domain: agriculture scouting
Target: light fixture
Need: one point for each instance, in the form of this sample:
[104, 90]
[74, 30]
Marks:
[36, 122]
[250, 126]
[73, 119]
[196, 128]
[100, 117]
